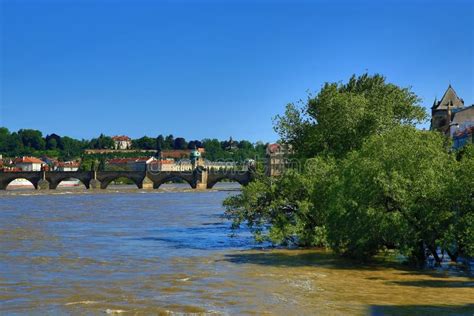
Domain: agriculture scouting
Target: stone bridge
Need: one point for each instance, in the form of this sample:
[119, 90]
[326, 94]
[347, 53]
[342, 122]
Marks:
[198, 178]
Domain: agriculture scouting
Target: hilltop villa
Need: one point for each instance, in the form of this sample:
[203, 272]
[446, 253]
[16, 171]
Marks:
[122, 142]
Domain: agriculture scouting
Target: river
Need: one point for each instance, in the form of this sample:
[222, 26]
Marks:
[170, 252]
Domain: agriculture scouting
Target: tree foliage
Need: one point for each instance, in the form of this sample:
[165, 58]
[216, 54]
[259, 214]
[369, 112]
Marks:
[31, 142]
[393, 193]
[341, 116]
[288, 205]
[371, 181]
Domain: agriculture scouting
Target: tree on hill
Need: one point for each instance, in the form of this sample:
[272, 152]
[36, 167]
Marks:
[102, 142]
[194, 144]
[144, 142]
[160, 142]
[169, 142]
[179, 143]
[32, 138]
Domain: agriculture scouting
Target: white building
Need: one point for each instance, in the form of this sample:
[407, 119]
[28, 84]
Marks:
[29, 163]
[131, 164]
[170, 165]
[68, 166]
[186, 165]
[122, 142]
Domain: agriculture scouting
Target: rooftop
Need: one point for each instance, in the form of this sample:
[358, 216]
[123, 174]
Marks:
[450, 98]
[28, 160]
[121, 138]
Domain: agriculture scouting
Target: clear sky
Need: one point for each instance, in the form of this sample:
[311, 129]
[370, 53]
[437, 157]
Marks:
[202, 69]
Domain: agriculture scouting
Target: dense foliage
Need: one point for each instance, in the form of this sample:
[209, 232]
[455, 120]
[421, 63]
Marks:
[31, 142]
[369, 180]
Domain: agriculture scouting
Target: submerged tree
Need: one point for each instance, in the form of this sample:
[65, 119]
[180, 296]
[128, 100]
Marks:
[287, 205]
[376, 183]
[393, 193]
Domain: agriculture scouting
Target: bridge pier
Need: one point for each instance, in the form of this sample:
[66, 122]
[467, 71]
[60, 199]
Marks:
[147, 184]
[94, 184]
[42, 185]
[200, 176]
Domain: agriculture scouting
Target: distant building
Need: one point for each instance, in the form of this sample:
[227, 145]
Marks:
[29, 163]
[450, 117]
[166, 165]
[122, 142]
[186, 164]
[178, 153]
[131, 164]
[277, 159]
[68, 166]
[231, 144]
[114, 151]
[51, 162]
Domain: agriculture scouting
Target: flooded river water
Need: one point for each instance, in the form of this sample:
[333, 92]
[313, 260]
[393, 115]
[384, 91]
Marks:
[139, 252]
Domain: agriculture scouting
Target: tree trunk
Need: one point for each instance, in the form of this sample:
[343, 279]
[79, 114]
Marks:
[419, 255]
[435, 255]
[452, 255]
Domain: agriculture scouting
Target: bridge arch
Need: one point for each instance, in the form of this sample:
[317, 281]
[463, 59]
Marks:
[83, 183]
[241, 178]
[25, 183]
[106, 177]
[106, 182]
[8, 177]
[55, 178]
[158, 181]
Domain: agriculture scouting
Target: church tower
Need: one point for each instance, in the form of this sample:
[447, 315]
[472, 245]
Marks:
[442, 111]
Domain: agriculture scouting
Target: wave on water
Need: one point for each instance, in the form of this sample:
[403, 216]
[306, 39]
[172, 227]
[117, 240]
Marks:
[81, 302]
[114, 311]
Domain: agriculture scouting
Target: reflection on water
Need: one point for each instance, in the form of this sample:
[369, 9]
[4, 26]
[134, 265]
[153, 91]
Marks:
[169, 252]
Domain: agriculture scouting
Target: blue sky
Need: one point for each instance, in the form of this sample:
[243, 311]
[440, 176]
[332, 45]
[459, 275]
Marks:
[205, 69]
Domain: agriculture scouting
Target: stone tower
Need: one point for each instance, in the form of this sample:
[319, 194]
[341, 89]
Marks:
[442, 111]
[196, 159]
[200, 173]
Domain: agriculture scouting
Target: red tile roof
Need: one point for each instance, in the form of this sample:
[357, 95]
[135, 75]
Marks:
[27, 160]
[120, 160]
[272, 148]
[179, 153]
[121, 138]
[69, 164]
[161, 162]
[127, 160]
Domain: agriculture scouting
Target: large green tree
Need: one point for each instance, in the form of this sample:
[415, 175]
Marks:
[393, 193]
[144, 142]
[32, 138]
[341, 116]
[376, 183]
[102, 142]
[286, 210]
[460, 240]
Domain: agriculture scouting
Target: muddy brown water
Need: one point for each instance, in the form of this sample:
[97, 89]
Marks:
[169, 252]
